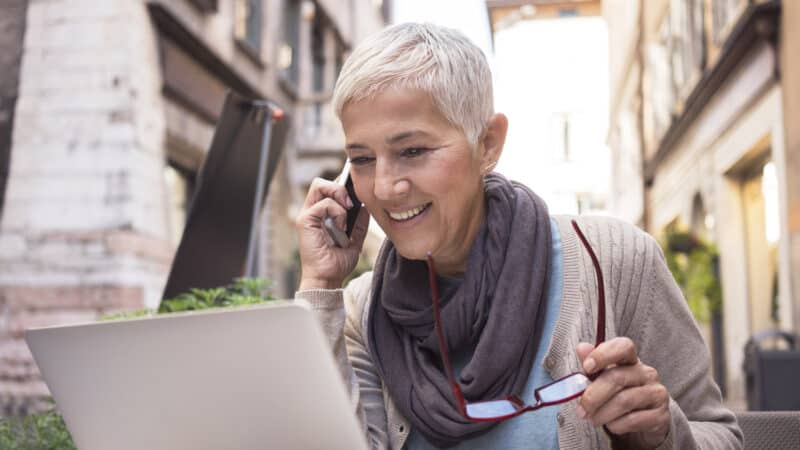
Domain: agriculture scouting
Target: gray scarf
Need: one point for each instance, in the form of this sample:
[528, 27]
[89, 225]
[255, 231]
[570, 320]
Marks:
[495, 310]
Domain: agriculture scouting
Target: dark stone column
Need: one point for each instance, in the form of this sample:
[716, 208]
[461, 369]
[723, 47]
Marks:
[12, 31]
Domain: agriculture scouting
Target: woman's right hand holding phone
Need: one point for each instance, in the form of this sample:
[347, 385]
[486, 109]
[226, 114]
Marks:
[325, 265]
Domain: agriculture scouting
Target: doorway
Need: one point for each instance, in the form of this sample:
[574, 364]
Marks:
[759, 194]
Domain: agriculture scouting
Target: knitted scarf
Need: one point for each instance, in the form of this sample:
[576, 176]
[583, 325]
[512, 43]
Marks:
[494, 309]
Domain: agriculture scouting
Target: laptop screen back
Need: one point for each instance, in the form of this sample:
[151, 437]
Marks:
[246, 378]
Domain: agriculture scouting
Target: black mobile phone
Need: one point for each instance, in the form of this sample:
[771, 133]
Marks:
[343, 239]
[352, 213]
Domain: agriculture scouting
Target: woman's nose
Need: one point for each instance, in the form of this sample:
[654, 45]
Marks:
[389, 185]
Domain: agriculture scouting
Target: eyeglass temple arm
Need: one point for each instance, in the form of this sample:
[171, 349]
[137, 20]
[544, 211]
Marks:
[600, 337]
[459, 396]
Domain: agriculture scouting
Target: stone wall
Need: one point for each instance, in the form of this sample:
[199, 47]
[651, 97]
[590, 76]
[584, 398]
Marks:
[84, 229]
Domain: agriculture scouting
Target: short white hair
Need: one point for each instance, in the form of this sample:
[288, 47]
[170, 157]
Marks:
[439, 61]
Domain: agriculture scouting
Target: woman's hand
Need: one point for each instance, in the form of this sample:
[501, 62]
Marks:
[324, 265]
[627, 397]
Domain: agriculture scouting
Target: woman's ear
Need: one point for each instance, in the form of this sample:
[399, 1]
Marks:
[493, 140]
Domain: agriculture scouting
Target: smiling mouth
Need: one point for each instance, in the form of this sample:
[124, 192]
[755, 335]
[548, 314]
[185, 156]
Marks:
[408, 215]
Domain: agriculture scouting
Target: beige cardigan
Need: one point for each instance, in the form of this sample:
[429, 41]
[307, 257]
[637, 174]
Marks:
[643, 303]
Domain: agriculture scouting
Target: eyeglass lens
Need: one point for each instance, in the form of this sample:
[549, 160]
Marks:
[563, 389]
[491, 409]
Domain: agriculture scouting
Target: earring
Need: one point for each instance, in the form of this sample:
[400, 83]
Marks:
[488, 168]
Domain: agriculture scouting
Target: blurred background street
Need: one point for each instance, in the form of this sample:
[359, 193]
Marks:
[678, 116]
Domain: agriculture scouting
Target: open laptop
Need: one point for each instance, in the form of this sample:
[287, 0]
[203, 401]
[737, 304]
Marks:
[259, 377]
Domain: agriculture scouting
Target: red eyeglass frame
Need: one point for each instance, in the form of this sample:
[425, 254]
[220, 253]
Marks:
[519, 404]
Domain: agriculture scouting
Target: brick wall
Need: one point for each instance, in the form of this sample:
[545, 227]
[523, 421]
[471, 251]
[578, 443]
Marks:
[84, 229]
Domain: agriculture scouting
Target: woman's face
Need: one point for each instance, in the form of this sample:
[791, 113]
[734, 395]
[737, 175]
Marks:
[416, 174]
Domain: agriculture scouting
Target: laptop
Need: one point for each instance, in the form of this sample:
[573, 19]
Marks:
[260, 377]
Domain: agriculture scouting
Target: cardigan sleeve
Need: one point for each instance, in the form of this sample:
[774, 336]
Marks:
[340, 312]
[668, 339]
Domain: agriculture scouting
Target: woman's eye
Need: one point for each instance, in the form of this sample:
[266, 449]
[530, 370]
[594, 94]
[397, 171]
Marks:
[414, 151]
[360, 160]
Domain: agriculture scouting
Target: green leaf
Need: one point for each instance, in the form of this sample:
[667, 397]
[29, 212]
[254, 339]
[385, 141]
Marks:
[36, 432]
[692, 262]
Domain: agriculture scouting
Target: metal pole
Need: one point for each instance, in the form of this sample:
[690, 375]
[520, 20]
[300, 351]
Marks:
[249, 270]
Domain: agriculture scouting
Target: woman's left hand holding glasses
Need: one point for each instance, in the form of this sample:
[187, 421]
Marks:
[627, 397]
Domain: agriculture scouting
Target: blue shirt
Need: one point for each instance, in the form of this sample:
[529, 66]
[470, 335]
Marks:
[537, 429]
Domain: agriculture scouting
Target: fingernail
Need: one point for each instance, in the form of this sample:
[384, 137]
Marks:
[580, 411]
[589, 364]
[349, 202]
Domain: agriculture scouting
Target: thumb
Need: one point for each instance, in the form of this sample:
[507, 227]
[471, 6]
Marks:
[584, 349]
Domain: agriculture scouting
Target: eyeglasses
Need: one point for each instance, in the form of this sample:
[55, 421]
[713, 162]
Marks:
[559, 391]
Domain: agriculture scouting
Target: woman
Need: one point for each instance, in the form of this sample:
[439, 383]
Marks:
[519, 292]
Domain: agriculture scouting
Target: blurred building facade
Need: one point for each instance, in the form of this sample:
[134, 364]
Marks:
[505, 13]
[555, 99]
[106, 111]
[704, 94]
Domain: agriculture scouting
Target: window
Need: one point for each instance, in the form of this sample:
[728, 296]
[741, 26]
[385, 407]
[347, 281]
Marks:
[589, 203]
[247, 25]
[723, 15]
[180, 188]
[568, 12]
[688, 44]
[206, 6]
[573, 136]
[662, 97]
[288, 57]
[338, 59]
[384, 7]
[559, 136]
[318, 32]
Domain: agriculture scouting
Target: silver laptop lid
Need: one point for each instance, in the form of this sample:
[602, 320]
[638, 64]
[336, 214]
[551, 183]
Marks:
[249, 378]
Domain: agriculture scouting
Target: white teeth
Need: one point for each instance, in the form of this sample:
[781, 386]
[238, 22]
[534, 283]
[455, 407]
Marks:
[407, 214]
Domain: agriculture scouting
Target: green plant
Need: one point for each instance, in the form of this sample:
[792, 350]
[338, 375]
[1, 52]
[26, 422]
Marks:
[693, 262]
[48, 431]
[243, 291]
[36, 432]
